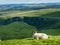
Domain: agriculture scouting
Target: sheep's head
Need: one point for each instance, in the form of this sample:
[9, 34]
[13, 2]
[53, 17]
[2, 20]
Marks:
[34, 32]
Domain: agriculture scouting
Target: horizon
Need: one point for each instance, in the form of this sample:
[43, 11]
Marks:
[28, 1]
[31, 3]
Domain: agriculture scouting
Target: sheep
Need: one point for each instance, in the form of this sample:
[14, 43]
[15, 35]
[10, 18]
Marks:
[40, 35]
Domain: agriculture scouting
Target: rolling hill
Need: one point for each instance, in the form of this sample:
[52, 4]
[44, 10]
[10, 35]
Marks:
[41, 19]
[19, 24]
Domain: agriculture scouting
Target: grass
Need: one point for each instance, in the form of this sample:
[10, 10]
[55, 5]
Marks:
[20, 33]
[53, 32]
[54, 37]
[31, 13]
[16, 30]
[53, 40]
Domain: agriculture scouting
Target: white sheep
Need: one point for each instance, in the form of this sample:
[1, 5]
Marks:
[40, 35]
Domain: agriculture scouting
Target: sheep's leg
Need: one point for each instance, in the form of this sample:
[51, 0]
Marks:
[37, 38]
[33, 37]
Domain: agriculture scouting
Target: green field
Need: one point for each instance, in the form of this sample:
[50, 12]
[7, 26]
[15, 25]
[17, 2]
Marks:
[52, 40]
[29, 13]
[13, 32]
[29, 41]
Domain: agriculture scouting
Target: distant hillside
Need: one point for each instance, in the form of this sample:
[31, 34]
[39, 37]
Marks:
[29, 13]
[41, 19]
[6, 7]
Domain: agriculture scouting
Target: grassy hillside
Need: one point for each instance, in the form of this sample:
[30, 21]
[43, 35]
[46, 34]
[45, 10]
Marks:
[16, 30]
[41, 19]
[30, 41]
[15, 25]
[53, 32]
[54, 39]
[29, 13]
